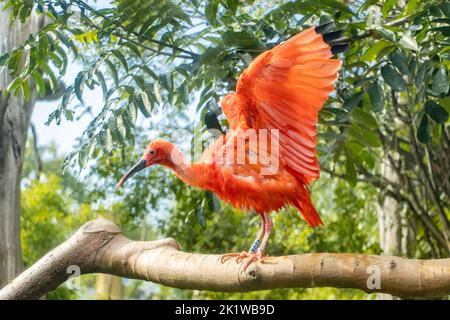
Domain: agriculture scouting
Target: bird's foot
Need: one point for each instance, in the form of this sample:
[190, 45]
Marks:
[252, 257]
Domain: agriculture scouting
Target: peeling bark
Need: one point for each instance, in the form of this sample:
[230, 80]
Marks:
[99, 247]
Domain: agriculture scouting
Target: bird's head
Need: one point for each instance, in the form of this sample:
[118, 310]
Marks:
[157, 152]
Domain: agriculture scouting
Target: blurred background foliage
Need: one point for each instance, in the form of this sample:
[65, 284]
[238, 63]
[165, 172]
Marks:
[383, 138]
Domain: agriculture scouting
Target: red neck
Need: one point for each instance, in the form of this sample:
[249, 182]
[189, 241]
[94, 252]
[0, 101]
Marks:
[190, 173]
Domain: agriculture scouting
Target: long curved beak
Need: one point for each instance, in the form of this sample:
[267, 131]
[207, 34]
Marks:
[141, 164]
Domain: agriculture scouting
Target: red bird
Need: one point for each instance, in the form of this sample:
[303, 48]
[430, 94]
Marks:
[277, 98]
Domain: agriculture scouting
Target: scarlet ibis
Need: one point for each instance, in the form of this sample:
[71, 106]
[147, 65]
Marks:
[279, 95]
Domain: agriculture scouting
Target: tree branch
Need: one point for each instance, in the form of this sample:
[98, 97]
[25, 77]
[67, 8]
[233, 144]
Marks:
[99, 247]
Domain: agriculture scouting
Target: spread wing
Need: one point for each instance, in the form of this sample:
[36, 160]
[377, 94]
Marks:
[284, 88]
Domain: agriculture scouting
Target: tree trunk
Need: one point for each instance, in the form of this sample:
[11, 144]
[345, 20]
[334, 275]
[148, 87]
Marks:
[15, 117]
[392, 231]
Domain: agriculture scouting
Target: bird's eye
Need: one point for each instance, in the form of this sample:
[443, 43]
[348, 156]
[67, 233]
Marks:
[152, 152]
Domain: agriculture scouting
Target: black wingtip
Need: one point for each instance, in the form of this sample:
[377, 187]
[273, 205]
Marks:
[212, 122]
[333, 38]
[324, 27]
[338, 48]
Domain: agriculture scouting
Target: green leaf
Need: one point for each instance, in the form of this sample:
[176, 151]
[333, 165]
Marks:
[232, 5]
[440, 82]
[39, 82]
[52, 77]
[144, 104]
[436, 112]
[14, 60]
[133, 48]
[68, 114]
[67, 96]
[26, 90]
[132, 111]
[102, 81]
[150, 72]
[360, 155]
[139, 80]
[374, 50]
[420, 77]
[412, 66]
[58, 62]
[121, 58]
[435, 11]
[184, 94]
[408, 42]
[423, 134]
[82, 158]
[420, 95]
[79, 84]
[4, 59]
[108, 140]
[393, 78]
[121, 128]
[14, 85]
[157, 93]
[241, 39]
[68, 43]
[444, 30]
[386, 33]
[399, 60]
[376, 96]
[352, 102]
[43, 45]
[113, 70]
[350, 172]
[387, 7]
[166, 81]
[64, 58]
[365, 137]
[436, 134]
[364, 118]
[211, 11]
[445, 8]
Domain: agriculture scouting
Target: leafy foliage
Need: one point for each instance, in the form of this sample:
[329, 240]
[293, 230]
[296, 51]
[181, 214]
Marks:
[390, 109]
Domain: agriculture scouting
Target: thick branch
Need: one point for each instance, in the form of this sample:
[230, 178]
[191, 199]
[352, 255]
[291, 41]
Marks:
[99, 246]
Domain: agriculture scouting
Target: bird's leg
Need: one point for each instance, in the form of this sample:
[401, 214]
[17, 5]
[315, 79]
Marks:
[255, 246]
[259, 255]
[260, 236]
[267, 231]
[257, 250]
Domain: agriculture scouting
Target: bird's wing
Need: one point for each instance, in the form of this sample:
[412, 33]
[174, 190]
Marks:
[284, 88]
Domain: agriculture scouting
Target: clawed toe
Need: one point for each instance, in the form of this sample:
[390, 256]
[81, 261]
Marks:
[252, 257]
[239, 256]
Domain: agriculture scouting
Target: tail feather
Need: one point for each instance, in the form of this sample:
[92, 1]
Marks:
[306, 208]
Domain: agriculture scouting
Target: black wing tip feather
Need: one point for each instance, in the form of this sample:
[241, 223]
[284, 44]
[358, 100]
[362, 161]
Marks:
[324, 27]
[332, 37]
[212, 122]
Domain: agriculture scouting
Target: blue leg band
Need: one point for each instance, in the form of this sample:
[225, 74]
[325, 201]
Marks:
[255, 246]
